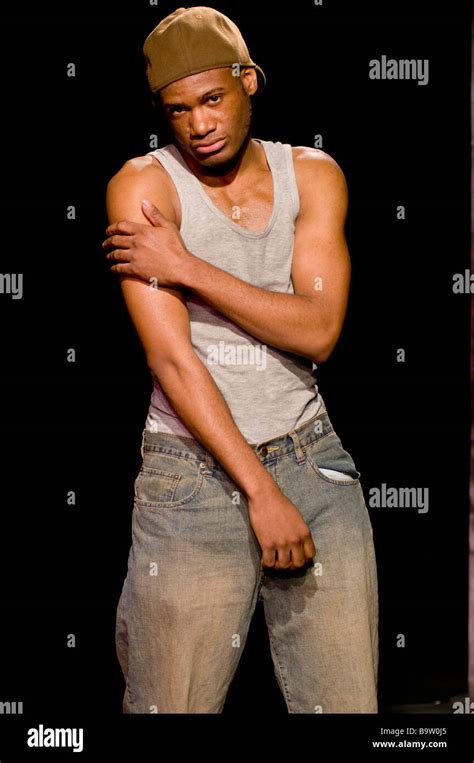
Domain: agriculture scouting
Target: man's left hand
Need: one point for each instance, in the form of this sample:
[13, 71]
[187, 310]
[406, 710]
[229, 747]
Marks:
[155, 254]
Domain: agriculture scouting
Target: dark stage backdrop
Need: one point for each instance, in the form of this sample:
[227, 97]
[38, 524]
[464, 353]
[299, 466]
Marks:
[75, 385]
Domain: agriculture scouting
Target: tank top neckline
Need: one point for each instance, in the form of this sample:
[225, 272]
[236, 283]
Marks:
[218, 212]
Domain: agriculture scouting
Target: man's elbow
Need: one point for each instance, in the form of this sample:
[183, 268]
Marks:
[321, 355]
[172, 358]
[325, 347]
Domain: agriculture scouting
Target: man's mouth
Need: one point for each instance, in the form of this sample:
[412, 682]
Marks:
[210, 147]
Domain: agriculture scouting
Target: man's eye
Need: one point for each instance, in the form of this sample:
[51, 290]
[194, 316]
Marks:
[179, 109]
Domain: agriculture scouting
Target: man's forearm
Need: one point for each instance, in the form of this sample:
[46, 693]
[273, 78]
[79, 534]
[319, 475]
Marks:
[286, 321]
[201, 407]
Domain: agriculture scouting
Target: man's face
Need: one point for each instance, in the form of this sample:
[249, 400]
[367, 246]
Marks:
[212, 107]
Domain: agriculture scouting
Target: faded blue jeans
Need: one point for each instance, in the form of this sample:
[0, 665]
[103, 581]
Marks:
[194, 577]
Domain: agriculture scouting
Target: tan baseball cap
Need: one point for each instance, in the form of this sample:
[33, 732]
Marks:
[192, 40]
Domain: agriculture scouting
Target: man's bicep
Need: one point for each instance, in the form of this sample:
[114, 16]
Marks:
[321, 266]
[320, 257]
[160, 315]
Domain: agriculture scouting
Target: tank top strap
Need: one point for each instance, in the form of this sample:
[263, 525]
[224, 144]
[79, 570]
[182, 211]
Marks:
[174, 163]
[280, 158]
[184, 180]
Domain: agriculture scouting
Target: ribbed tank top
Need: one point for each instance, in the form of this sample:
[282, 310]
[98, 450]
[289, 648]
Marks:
[269, 391]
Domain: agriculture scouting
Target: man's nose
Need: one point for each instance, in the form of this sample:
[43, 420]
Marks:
[200, 123]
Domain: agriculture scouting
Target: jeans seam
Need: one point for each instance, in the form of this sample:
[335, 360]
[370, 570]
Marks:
[123, 609]
[277, 663]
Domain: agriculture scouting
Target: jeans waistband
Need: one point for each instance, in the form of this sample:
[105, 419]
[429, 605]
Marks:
[313, 429]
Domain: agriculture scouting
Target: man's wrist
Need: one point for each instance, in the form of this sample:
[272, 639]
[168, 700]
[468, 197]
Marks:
[263, 486]
[192, 270]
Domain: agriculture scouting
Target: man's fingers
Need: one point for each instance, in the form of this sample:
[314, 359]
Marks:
[283, 561]
[309, 548]
[268, 558]
[117, 241]
[123, 226]
[289, 558]
[123, 268]
[297, 555]
[118, 255]
[152, 212]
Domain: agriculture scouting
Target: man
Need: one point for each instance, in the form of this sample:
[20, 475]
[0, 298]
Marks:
[236, 277]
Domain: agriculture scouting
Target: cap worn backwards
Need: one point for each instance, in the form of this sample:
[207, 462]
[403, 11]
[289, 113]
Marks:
[193, 40]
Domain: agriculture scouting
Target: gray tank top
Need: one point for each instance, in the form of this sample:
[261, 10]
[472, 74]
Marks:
[269, 391]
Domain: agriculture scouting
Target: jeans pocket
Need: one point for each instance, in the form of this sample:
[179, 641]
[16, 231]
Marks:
[327, 453]
[167, 480]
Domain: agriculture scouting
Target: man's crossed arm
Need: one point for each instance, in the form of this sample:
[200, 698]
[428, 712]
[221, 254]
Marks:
[162, 322]
[308, 322]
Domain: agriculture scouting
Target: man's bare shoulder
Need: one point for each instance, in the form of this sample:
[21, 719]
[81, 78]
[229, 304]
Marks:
[314, 160]
[146, 175]
[139, 165]
[312, 156]
[316, 170]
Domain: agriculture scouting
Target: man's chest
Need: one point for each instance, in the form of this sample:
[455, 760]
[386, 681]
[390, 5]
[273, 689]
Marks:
[249, 206]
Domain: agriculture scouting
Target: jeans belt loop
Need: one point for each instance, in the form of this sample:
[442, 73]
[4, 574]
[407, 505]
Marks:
[300, 456]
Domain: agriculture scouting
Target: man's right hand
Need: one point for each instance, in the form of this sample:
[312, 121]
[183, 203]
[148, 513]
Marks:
[283, 535]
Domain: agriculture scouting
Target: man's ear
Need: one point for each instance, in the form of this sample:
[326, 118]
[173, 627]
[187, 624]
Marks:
[248, 78]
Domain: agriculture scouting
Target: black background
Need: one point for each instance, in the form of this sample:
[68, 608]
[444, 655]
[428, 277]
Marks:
[77, 426]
